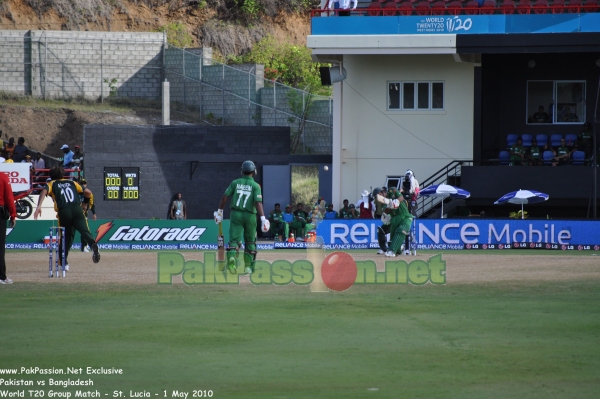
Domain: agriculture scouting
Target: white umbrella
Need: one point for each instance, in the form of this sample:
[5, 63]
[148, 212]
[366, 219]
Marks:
[523, 197]
[444, 191]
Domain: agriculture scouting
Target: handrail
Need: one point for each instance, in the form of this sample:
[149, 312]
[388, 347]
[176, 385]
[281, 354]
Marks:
[426, 204]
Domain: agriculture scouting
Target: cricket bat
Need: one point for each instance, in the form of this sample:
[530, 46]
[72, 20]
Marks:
[221, 248]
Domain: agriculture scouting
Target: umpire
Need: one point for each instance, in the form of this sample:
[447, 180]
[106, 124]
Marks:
[246, 201]
[69, 209]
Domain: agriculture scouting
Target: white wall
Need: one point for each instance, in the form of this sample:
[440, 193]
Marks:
[376, 142]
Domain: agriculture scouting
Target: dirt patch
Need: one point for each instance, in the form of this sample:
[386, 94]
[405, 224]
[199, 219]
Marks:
[46, 130]
[120, 267]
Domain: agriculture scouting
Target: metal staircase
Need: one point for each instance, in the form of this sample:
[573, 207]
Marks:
[430, 207]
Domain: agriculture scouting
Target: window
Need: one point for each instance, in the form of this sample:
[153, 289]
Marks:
[555, 101]
[415, 95]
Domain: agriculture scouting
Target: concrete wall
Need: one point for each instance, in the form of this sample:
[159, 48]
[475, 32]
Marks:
[376, 142]
[165, 154]
[73, 64]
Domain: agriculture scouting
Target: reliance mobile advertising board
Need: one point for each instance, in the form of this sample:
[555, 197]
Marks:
[469, 234]
[336, 234]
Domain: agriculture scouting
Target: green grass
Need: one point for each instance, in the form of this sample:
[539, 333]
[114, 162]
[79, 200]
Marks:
[468, 341]
[305, 185]
[79, 104]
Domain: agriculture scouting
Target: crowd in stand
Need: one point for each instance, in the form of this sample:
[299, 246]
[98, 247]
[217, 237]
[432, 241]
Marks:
[571, 149]
[12, 153]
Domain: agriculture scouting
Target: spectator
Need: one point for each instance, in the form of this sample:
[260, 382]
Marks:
[301, 218]
[365, 206]
[288, 219]
[78, 163]
[277, 224]
[9, 158]
[20, 150]
[39, 164]
[330, 213]
[67, 160]
[343, 213]
[540, 116]
[9, 148]
[568, 116]
[178, 208]
[7, 206]
[316, 215]
[563, 153]
[585, 140]
[535, 154]
[352, 212]
[517, 153]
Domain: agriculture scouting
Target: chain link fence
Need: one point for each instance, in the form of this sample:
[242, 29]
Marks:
[129, 68]
[224, 95]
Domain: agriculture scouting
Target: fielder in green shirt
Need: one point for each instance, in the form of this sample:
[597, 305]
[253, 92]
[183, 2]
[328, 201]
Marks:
[276, 220]
[535, 154]
[246, 201]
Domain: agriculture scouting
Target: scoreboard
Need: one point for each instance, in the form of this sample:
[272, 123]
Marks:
[122, 184]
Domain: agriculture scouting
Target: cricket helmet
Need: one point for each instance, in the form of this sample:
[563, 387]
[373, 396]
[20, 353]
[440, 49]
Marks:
[248, 167]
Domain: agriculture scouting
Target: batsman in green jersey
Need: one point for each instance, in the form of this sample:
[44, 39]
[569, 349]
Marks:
[400, 220]
[246, 201]
[70, 210]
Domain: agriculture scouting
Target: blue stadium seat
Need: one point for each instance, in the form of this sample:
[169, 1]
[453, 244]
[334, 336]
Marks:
[504, 157]
[555, 139]
[511, 139]
[548, 155]
[578, 157]
[571, 139]
[542, 139]
[527, 139]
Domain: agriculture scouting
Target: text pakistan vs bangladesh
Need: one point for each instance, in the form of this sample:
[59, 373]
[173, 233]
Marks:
[43, 388]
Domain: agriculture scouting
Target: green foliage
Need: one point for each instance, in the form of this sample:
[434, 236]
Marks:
[519, 215]
[112, 86]
[177, 35]
[305, 185]
[287, 63]
[251, 9]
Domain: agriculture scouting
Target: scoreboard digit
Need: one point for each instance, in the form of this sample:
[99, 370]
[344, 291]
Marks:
[130, 183]
[112, 184]
[121, 184]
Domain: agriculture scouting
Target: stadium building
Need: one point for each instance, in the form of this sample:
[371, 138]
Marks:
[443, 86]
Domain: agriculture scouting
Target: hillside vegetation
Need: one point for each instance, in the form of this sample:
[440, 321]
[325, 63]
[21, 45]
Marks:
[230, 27]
